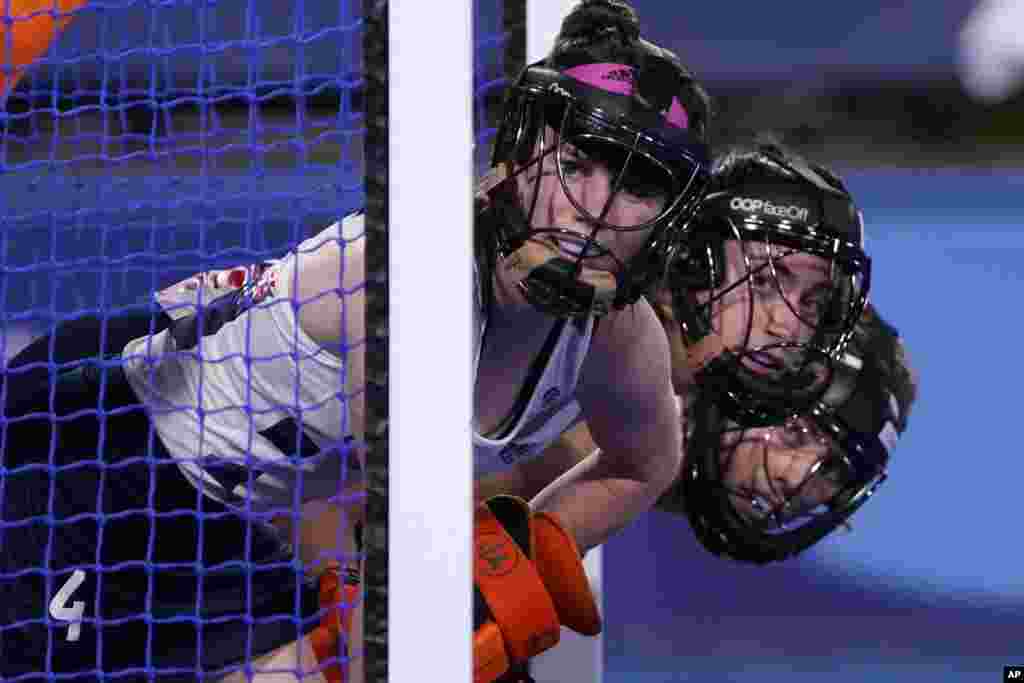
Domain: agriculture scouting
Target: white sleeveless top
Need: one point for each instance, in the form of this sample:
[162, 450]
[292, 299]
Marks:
[247, 403]
[551, 409]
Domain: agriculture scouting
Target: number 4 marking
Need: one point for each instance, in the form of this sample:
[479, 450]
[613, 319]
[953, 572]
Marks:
[59, 610]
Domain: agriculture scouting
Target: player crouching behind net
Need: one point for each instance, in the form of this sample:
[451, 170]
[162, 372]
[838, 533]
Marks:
[140, 486]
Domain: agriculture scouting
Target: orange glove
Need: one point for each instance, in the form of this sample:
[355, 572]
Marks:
[529, 581]
[330, 638]
[26, 40]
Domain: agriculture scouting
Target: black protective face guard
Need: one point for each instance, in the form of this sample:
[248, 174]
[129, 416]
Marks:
[757, 399]
[786, 215]
[856, 413]
[554, 283]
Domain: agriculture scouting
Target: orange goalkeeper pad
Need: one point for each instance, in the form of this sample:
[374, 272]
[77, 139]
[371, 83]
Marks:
[23, 40]
[490, 658]
[558, 560]
[512, 589]
[331, 635]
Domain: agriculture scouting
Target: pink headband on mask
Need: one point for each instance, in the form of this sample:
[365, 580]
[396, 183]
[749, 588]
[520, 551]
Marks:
[620, 79]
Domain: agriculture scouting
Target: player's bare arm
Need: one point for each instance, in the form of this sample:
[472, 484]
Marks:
[626, 396]
[529, 478]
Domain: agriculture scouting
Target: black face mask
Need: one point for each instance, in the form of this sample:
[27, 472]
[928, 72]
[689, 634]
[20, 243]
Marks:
[851, 431]
[589, 130]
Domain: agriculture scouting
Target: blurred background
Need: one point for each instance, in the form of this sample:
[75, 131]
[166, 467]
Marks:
[866, 83]
[160, 137]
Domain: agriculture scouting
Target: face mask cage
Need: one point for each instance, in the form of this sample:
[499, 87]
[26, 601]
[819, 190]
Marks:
[768, 493]
[621, 168]
[779, 301]
[781, 479]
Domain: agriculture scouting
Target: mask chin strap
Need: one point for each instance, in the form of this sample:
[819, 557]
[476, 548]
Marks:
[554, 285]
[752, 401]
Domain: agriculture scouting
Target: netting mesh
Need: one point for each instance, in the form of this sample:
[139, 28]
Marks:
[193, 133]
[147, 142]
[499, 32]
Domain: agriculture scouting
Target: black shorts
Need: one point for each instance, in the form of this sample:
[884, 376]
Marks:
[170, 583]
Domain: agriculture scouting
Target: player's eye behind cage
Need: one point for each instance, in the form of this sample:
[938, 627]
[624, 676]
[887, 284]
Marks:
[631, 172]
[770, 270]
[828, 306]
[838, 469]
[548, 133]
[773, 505]
[575, 155]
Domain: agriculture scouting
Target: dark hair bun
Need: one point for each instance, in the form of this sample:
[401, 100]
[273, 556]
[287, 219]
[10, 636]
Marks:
[608, 31]
[598, 21]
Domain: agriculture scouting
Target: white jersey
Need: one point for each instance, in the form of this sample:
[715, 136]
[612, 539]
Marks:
[250, 407]
[551, 409]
